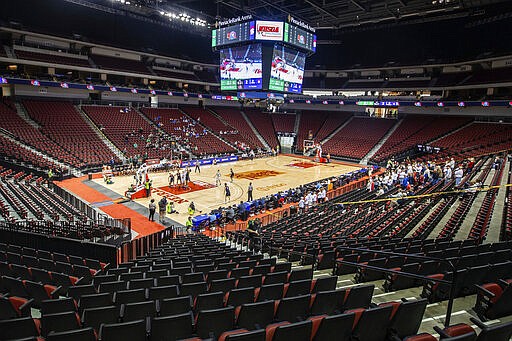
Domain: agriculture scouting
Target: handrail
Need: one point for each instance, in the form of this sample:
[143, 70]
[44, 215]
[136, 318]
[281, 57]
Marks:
[292, 252]
[406, 274]
[270, 248]
[134, 248]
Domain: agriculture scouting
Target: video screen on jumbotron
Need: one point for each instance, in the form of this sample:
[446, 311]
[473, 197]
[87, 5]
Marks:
[287, 70]
[241, 68]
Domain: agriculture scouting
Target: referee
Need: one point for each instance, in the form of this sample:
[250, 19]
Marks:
[249, 192]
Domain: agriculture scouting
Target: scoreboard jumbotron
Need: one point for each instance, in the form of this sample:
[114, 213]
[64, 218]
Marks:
[263, 55]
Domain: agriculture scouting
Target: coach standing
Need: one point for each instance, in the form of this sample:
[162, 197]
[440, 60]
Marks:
[162, 205]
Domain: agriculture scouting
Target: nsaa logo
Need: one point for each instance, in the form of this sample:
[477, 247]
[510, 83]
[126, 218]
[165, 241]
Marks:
[232, 35]
[269, 29]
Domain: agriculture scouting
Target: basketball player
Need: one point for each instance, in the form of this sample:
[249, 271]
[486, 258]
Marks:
[217, 178]
[227, 192]
[178, 177]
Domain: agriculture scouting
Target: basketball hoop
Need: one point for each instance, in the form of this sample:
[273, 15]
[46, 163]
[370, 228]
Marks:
[308, 146]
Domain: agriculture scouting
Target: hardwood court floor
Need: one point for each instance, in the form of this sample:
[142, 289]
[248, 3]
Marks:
[268, 176]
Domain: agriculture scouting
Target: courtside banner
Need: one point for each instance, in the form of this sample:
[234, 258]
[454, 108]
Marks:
[150, 162]
[269, 30]
[209, 161]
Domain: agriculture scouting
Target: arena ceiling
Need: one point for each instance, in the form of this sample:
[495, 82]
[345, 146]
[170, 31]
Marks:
[429, 33]
[337, 14]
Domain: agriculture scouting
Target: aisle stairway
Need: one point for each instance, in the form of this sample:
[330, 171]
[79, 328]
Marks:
[469, 220]
[210, 131]
[374, 150]
[452, 132]
[22, 112]
[330, 136]
[102, 136]
[255, 131]
[298, 115]
[72, 170]
[162, 131]
[493, 234]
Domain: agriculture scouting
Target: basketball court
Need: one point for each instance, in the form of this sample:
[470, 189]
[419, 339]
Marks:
[268, 176]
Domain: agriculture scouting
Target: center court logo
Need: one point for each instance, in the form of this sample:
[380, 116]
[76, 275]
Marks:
[257, 174]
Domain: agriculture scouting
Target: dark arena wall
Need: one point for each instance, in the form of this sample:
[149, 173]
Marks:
[65, 19]
[448, 40]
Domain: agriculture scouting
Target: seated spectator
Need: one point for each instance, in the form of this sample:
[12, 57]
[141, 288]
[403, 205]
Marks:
[230, 214]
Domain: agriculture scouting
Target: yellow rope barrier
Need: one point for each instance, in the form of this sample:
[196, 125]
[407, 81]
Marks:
[482, 189]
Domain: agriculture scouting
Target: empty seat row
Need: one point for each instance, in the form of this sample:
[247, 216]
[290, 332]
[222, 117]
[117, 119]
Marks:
[209, 272]
[43, 273]
[465, 281]
[200, 263]
[29, 289]
[15, 254]
[366, 324]
[494, 300]
[145, 290]
[465, 332]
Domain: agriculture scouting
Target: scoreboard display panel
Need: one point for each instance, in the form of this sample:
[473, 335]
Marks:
[263, 55]
[287, 69]
[263, 30]
[241, 67]
[294, 35]
[233, 34]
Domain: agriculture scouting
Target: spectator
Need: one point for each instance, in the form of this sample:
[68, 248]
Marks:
[458, 175]
[471, 165]
[401, 193]
[302, 205]
[162, 206]
[447, 173]
[152, 209]
[230, 214]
